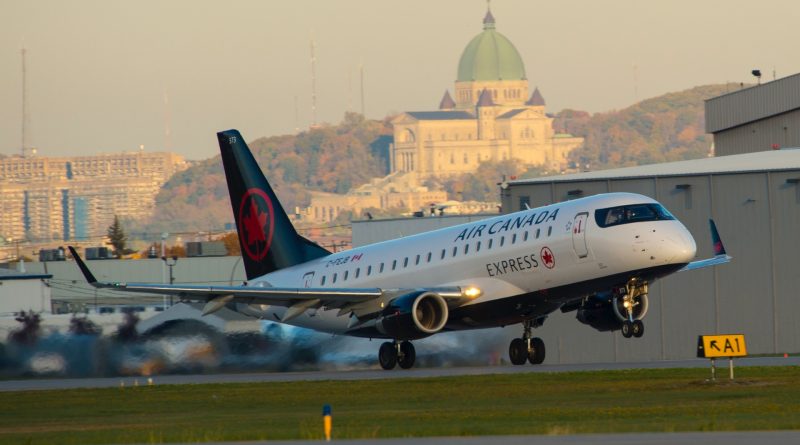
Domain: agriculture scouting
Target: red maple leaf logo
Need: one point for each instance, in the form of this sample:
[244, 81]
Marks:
[254, 223]
[547, 257]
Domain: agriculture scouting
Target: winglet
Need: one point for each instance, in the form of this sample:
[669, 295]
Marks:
[84, 269]
[720, 255]
[719, 248]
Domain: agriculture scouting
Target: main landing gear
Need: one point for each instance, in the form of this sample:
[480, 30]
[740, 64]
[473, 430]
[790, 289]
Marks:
[394, 353]
[527, 348]
[634, 307]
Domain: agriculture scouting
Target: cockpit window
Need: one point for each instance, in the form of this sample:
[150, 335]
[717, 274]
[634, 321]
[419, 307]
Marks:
[615, 216]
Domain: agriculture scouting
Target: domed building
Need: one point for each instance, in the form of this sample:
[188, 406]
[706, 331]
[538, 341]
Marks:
[492, 118]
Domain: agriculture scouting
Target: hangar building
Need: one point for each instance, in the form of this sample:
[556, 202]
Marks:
[758, 118]
[23, 291]
[754, 199]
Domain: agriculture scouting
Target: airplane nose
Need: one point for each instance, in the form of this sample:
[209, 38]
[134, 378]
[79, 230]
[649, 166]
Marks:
[681, 246]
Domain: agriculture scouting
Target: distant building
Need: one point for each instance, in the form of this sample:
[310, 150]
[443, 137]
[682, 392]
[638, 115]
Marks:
[758, 118]
[43, 199]
[396, 191]
[492, 117]
[21, 291]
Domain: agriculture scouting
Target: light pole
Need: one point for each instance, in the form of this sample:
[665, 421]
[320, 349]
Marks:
[164, 236]
[169, 264]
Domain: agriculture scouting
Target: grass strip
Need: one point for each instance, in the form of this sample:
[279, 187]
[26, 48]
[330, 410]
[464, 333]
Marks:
[662, 400]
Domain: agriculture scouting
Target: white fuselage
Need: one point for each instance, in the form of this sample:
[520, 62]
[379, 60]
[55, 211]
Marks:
[505, 256]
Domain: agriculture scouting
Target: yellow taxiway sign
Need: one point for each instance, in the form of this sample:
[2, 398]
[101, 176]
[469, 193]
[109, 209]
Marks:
[713, 346]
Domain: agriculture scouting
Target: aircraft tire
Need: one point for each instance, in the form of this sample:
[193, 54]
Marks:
[407, 355]
[518, 351]
[537, 352]
[638, 328]
[387, 355]
[627, 329]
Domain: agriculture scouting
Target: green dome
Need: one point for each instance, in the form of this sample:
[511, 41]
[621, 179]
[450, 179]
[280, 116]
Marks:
[490, 56]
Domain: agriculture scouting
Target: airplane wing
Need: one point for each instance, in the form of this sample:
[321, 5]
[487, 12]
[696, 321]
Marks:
[362, 301]
[720, 255]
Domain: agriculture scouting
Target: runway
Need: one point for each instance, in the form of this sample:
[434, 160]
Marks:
[377, 374]
[713, 438]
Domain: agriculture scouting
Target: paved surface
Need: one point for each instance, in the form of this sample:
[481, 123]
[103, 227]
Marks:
[375, 374]
[725, 438]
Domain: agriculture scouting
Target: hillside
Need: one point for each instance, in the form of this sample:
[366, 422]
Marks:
[330, 158]
[662, 129]
[336, 158]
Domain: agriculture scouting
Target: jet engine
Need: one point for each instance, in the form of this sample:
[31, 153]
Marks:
[606, 311]
[412, 316]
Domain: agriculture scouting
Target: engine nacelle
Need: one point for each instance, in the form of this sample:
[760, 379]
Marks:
[605, 312]
[412, 316]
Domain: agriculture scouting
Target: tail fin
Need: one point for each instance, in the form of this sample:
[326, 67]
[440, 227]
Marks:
[719, 248]
[268, 240]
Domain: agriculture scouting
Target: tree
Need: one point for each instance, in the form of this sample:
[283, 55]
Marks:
[231, 241]
[117, 237]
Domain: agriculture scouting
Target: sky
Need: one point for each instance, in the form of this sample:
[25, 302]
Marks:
[112, 75]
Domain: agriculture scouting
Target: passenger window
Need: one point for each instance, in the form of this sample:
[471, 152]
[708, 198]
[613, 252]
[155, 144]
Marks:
[416, 262]
[346, 273]
[537, 233]
[478, 247]
[525, 237]
[455, 251]
[381, 269]
[322, 282]
[513, 238]
[444, 252]
[405, 262]
[502, 240]
[549, 230]
[430, 255]
[358, 272]
[491, 241]
[334, 277]
[394, 264]
[369, 270]
[466, 248]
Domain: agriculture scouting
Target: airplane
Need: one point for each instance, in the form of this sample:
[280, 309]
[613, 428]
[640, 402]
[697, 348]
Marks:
[595, 255]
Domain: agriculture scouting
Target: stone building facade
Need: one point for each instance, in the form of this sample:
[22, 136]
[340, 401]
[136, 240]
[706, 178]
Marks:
[492, 117]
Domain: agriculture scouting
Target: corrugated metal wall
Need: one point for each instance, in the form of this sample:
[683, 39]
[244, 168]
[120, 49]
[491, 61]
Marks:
[758, 293]
[752, 104]
[782, 131]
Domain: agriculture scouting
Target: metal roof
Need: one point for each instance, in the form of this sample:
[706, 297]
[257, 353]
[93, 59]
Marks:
[512, 113]
[440, 115]
[8, 274]
[786, 159]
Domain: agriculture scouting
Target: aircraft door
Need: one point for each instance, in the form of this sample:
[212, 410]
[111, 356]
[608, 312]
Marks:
[579, 235]
[308, 279]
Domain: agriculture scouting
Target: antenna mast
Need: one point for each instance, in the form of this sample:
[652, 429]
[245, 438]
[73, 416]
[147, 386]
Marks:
[313, 83]
[361, 68]
[24, 103]
[167, 123]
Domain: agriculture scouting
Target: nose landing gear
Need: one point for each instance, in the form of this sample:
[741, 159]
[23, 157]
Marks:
[397, 353]
[527, 348]
[634, 307]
